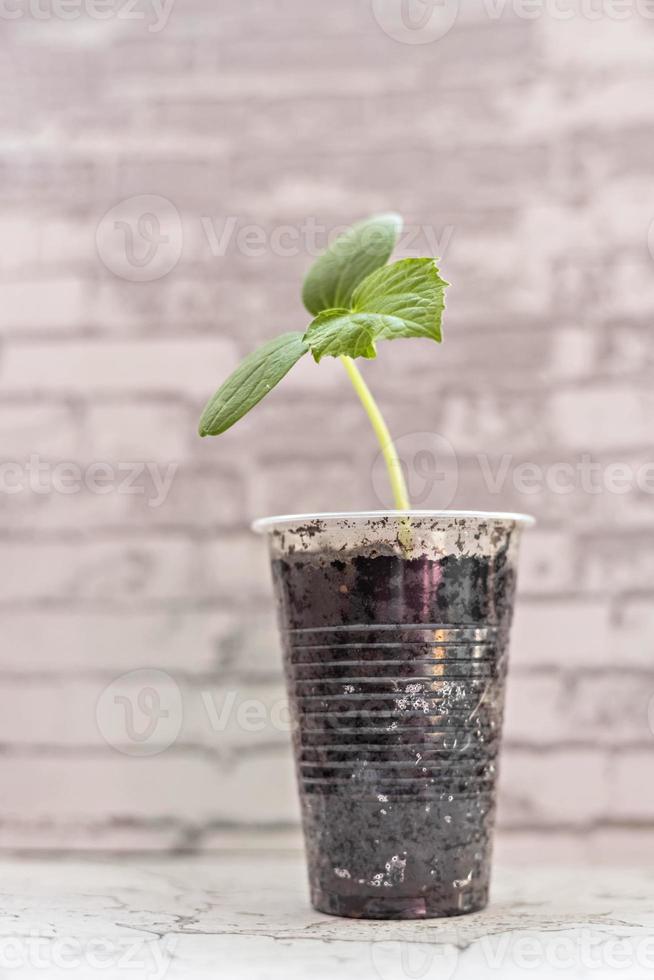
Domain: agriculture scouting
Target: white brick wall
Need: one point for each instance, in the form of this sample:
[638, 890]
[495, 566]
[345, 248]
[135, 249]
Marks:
[95, 367]
[526, 148]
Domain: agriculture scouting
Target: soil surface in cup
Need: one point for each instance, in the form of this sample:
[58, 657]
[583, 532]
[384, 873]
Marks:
[396, 671]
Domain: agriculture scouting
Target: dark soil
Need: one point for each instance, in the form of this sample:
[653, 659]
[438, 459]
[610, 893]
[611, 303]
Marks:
[396, 675]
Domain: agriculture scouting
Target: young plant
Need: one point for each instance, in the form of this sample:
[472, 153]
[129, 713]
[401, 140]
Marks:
[356, 299]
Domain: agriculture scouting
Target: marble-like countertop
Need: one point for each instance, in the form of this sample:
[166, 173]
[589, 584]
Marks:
[245, 915]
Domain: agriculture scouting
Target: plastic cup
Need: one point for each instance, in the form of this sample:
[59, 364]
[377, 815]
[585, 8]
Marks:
[395, 632]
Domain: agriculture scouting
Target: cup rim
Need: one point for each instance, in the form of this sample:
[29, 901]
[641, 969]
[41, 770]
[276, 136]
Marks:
[266, 524]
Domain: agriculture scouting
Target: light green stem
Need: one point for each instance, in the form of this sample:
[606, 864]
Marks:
[393, 465]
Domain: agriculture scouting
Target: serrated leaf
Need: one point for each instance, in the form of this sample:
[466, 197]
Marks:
[251, 381]
[405, 299]
[409, 295]
[333, 278]
[337, 332]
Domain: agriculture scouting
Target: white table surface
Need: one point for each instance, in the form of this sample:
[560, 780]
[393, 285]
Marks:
[246, 915]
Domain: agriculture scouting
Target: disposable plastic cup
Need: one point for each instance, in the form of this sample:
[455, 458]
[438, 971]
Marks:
[395, 630]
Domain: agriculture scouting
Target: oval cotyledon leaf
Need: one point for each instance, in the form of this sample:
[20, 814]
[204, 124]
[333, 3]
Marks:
[334, 276]
[251, 381]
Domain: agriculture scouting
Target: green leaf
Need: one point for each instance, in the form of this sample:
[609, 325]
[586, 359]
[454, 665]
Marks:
[337, 332]
[410, 297]
[405, 299]
[334, 276]
[253, 379]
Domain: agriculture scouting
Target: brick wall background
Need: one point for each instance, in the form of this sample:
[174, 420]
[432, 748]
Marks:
[523, 147]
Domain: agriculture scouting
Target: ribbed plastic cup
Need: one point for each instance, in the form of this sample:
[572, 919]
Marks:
[395, 633]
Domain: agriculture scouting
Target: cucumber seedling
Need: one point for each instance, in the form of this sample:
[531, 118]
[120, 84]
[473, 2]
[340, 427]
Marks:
[356, 299]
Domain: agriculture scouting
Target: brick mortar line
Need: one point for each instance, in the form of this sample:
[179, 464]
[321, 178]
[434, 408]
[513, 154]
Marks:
[234, 603]
[232, 753]
[166, 824]
[231, 675]
[230, 534]
[214, 532]
[236, 530]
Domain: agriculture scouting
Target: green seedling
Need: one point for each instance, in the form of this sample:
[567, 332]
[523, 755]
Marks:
[356, 300]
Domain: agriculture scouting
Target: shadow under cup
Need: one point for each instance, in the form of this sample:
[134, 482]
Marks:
[395, 635]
